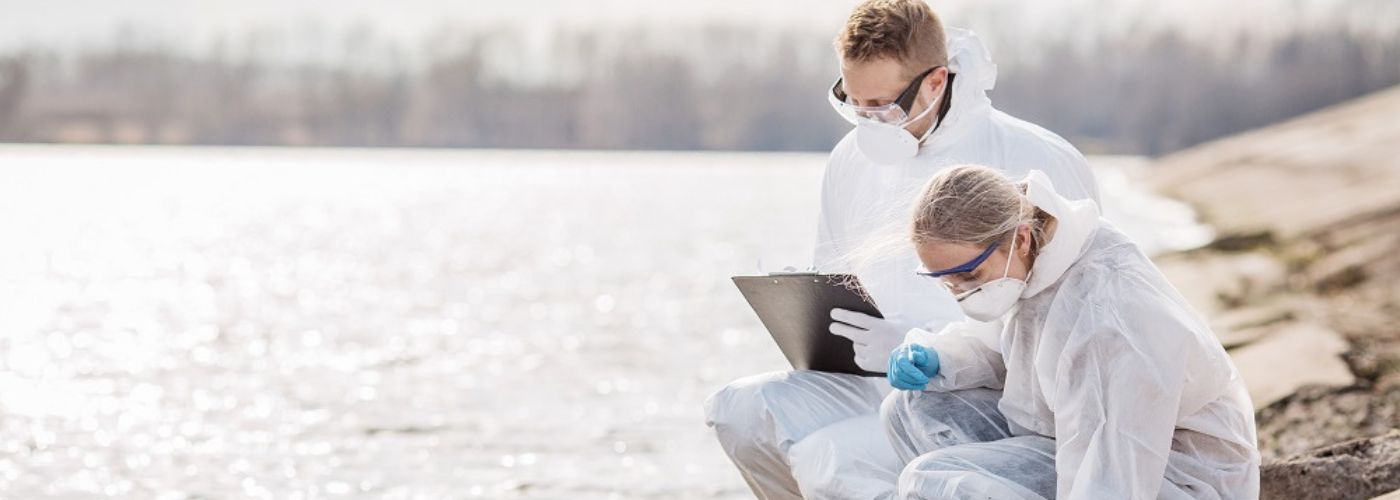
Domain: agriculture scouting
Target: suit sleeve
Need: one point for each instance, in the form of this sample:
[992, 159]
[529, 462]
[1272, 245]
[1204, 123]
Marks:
[969, 355]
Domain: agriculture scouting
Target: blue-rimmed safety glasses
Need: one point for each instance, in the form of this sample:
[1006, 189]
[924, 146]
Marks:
[965, 267]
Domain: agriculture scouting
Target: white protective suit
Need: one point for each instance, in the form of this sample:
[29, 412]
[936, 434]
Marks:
[772, 425]
[1114, 387]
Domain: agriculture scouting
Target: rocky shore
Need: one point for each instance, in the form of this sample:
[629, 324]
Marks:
[1302, 284]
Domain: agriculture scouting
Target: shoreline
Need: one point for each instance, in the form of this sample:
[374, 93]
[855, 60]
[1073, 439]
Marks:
[1302, 281]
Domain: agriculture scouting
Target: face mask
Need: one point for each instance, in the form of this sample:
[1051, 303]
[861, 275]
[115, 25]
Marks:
[887, 143]
[993, 299]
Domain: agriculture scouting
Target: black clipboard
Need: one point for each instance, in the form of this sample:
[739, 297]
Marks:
[796, 310]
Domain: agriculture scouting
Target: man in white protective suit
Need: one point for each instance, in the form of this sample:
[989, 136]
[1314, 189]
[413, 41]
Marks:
[917, 96]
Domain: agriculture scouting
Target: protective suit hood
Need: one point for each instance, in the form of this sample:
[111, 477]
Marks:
[968, 59]
[1076, 222]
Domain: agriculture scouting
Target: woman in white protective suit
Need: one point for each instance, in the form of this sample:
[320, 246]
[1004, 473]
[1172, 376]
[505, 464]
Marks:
[1113, 387]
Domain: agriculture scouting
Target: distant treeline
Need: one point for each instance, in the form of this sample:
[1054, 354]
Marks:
[703, 87]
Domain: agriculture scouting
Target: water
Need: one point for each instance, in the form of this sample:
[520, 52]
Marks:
[265, 323]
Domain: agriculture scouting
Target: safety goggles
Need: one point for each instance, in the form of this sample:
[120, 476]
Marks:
[957, 286]
[965, 267]
[893, 113]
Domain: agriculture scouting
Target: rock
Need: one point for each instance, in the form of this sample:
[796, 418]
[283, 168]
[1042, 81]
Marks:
[1215, 282]
[1308, 215]
[1240, 242]
[1316, 172]
[1347, 267]
[1358, 469]
[1394, 495]
[1294, 356]
[1238, 327]
[1318, 416]
[1233, 339]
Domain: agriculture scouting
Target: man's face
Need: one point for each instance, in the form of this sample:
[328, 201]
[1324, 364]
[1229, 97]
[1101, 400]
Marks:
[880, 81]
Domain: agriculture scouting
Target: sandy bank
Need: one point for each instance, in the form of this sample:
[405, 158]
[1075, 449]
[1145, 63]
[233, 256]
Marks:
[1302, 282]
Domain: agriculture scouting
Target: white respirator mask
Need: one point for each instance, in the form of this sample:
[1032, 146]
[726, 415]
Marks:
[881, 133]
[993, 299]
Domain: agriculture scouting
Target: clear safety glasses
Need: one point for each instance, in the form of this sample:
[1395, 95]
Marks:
[893, 113]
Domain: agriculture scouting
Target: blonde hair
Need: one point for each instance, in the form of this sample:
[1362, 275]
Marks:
[969, 204]
[975, 205]
[905, 30]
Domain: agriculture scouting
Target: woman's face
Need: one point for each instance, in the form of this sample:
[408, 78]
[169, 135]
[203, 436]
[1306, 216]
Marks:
[941, 255]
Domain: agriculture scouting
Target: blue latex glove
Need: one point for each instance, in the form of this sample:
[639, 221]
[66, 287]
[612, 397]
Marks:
[912, 366]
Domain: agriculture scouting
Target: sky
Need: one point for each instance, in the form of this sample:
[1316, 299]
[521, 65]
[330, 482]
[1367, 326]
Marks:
[197, 23]
[65, 22]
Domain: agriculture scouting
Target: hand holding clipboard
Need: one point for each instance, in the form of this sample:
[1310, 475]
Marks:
[796, 310]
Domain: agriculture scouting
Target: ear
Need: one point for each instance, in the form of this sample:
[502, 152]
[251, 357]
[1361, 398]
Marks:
[935, 80]
[1024, 232]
